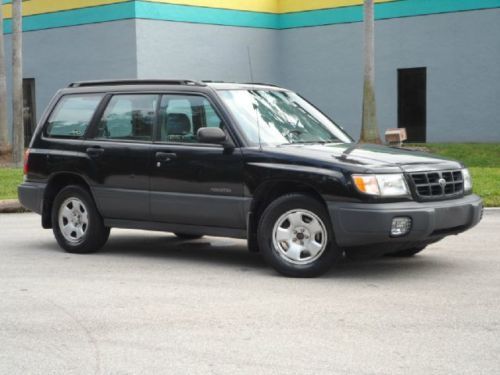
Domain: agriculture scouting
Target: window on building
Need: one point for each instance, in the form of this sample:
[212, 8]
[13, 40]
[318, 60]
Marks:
[72, 115]
[182, 115]
[128, 117]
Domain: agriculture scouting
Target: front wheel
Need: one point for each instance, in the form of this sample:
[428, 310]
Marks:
[296, 238]
[77, 225]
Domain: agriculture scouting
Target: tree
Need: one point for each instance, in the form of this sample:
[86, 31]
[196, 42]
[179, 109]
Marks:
[4, 136]
[17, 83]
[369, 128]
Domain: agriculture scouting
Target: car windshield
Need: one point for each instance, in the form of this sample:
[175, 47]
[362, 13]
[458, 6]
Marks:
[281, 117]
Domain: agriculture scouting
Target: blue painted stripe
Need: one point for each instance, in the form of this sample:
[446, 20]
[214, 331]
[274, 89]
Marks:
[228, 17]
[397, 9]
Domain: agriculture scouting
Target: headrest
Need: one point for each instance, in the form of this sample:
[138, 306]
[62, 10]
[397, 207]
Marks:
[178, 124]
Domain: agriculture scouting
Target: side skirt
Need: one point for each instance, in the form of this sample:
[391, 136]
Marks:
[177, 228]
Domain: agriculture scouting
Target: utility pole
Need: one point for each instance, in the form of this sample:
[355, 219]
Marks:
[369, 128]
[17, 83]
[4, 136]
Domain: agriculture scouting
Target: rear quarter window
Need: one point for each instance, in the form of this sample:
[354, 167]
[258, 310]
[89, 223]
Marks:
[72, 115]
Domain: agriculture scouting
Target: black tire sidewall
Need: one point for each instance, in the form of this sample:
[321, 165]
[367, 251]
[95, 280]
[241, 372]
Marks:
[96, 234]
[267, 221]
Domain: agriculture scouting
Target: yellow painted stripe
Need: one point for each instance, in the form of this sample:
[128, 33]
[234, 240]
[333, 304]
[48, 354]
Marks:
[33, 7]
[288, 6]
[267, 6]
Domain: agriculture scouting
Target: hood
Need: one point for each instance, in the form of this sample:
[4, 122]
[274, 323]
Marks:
[372, 157]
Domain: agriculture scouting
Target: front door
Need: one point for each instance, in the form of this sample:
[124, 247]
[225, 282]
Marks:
[193, 183]
[119, 149]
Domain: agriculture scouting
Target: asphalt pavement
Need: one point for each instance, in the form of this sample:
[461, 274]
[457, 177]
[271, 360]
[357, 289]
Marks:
[149, 303]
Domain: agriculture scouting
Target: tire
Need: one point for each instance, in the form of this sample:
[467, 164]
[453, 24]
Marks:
[77, 225]
[296, 238]
[186, 236]
[406, 253]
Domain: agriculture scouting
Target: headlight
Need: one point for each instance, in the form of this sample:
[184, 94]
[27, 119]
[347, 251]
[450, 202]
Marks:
[467, 179]
[387, 185]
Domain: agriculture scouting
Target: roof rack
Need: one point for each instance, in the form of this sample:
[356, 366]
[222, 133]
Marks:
[119, 82]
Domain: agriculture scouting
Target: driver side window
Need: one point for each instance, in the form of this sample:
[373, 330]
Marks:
[181, 116]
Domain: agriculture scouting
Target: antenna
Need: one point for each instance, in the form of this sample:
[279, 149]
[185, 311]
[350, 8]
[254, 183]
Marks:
[253, 88]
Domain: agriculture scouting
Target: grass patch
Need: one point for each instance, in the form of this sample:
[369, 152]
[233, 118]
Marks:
[486, 183]
[10, 178]
[471, 154]
[483, 161]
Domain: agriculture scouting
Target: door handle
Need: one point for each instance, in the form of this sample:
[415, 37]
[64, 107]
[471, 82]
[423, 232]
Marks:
[95, 152]
[165, 156]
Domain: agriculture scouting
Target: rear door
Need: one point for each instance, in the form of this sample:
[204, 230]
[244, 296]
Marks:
[194, 183]
[119, 151]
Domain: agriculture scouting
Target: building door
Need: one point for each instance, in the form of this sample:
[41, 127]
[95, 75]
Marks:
[29, 109]
[412, 110]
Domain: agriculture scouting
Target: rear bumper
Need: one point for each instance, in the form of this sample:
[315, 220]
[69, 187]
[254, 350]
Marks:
[358, 224]
[31, 195]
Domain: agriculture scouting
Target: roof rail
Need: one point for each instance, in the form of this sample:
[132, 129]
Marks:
[118, 82]
[260, 84]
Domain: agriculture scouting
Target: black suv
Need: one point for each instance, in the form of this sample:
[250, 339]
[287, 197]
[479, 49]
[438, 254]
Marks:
[250, 161]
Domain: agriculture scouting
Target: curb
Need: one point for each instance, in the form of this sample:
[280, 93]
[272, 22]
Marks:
[10, 206]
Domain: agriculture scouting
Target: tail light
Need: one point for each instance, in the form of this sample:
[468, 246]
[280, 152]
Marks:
[26, 161]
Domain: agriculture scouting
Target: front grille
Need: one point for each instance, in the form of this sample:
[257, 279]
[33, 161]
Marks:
[438, 184]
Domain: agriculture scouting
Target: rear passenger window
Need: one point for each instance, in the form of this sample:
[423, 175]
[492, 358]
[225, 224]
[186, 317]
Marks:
[128, 117]
[72, 116]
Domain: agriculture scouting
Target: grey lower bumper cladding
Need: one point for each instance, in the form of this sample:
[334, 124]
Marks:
[357, 224]
[31, 195]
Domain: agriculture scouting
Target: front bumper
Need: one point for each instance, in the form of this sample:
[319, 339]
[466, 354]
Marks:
[31, 195]
[359, 224]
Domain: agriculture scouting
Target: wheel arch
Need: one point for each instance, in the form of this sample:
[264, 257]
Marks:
[55, 183]
[266, 193]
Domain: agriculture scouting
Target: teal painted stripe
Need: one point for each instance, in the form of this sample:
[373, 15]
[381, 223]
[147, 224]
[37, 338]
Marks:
[396, 9]
[205, 15]
[82, 16]
[186, 13]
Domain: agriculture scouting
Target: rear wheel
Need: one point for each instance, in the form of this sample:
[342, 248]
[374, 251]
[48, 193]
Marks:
[295, 236]
[186, 236]
[77, 225]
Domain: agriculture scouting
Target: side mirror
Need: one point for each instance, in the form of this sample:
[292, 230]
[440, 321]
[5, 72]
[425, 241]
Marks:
[212, 135]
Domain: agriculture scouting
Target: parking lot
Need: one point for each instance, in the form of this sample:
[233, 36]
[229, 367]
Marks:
[150, 303]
